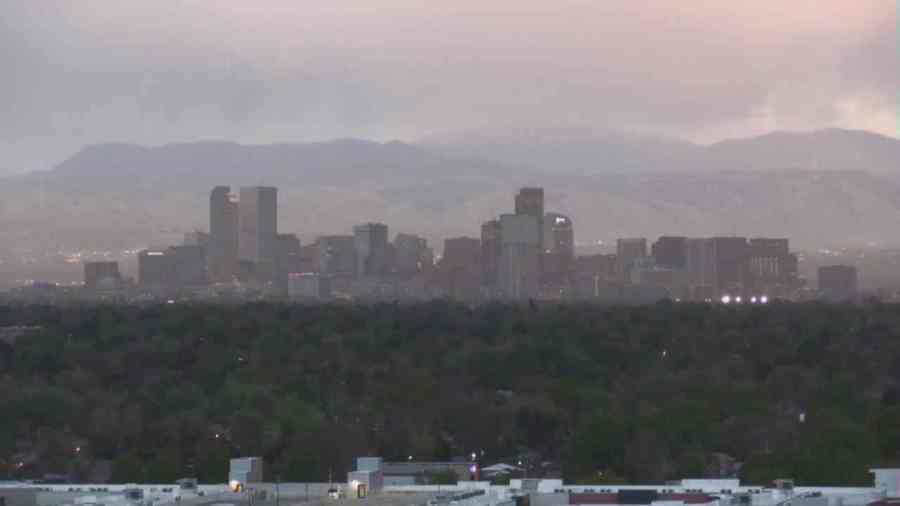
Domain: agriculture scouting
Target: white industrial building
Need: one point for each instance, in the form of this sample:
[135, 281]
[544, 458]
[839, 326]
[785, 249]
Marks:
[367, 481]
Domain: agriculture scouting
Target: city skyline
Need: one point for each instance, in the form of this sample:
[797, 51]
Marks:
[526, 254]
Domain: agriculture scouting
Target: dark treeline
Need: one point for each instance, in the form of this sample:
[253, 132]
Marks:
[806, 391]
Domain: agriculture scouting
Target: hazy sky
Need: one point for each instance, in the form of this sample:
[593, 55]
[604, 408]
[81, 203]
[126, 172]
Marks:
[156, 71]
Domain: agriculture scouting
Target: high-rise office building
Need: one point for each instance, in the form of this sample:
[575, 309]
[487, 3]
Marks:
[669, 252]
[460, 267]
[732, 257]
[491, 247]
[838, 282]
[336, 255]
[258, 229]
[558, 254]
[772, 266]
[102, 275]
[287, 259]
[530, 201]
[172, 268]
[155, 268]
[718, 265]
[222, 243]
[372, 251]
[628, 252]
[462, 252]
[188, 266]
[559, 234]
[519, 272]
[699, 259]
[412, 255]
[307, 259]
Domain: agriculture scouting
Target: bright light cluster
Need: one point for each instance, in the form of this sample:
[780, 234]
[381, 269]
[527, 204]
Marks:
[761, 299]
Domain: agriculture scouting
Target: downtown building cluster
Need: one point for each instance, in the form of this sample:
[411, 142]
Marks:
[526, 254]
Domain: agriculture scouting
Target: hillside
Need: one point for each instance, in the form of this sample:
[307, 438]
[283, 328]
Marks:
[830, 149]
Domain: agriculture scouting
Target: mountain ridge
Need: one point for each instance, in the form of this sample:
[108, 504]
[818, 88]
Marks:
[594, 151]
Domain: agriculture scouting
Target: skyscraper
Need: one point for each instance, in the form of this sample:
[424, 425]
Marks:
[336, 254]
[629, 251]
[530, 201]
[491, 247]
[519, 271]
[460, 270]
[718, 265]
[155, 269]
[669, 252]
[222, 246]
[732, 256]
[188, 264]
[559, 234]
[558, 253]
[412, 255]
[287, 258]
[701, 268]
[372, 252]
[258, 229]
[772, 266]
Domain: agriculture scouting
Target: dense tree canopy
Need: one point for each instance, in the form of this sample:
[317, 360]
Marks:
[636, 393]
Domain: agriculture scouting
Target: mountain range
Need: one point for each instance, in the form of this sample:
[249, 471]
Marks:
[831, 187]
[589, 151]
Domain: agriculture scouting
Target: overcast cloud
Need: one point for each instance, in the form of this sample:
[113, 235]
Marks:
[155, 71]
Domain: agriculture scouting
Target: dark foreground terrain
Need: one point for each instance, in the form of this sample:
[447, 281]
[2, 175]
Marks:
[163, 392]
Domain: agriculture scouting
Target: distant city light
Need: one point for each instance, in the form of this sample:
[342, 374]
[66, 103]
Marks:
[764, 299]
[753, 299]
[738, 299]
[726, 299]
